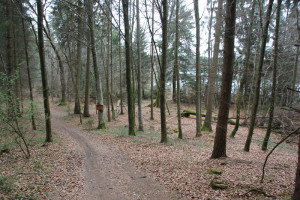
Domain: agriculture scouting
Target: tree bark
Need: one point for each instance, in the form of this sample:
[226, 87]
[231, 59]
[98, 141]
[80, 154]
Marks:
[44, 72]
[77, 107]
[138, 35]
[152, 62]
[180, 136]
[245, 72]
[164, 20]
[33, 124]
[213, 72]
[101, 119]
[296, 194]
[130, 90]
[273, 94]
[258, 77]
[219, 149]
[108, 64]
[120, 59]
[86, 111]
[198, 72]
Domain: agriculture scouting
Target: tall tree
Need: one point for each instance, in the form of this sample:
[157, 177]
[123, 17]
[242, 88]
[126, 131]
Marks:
[152, 61]
[258, 77]
[108, 61]
[245, 71]
[101, 119]
[272, 101]
[198, 71]
[44, 71]
[130, 89]
[120, 62]
[219, 149]
[77, 107]
[33, 124]
[177, 71]
[164, 21]
[86, 111]
[139, 76]
[213, 71]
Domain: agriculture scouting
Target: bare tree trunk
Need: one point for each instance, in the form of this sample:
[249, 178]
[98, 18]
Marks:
[108, 64]
[101, 119]
[130, 90]
[273, 96]
[138, 35]
[245, 72]
[152, 63]
[198, 72]
[296, 194]
[28, 70]
[164, 21]
[177, 70]
[77, 107]
[258, 77]
[219, 149]
[86, 112]
[213, 71]
[44, 72]
[120, 58]
[60, 64]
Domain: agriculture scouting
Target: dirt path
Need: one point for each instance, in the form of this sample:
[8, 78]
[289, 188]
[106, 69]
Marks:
[108, 172]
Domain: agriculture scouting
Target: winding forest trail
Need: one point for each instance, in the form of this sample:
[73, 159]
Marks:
[108, 172]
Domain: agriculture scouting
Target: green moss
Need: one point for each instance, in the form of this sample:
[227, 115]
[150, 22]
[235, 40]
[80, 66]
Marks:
[214, 171]
[230, 121]
[216, 183]
[205, 128]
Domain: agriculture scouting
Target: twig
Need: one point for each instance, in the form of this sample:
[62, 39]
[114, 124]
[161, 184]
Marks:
[263, 170]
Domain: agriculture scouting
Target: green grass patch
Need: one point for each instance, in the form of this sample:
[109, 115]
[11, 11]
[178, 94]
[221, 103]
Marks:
[214, 171]
[283, 147]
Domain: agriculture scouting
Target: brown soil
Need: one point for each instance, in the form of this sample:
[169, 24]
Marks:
[108, 172]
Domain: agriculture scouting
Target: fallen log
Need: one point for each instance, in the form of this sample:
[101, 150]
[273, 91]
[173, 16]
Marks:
[187, 113]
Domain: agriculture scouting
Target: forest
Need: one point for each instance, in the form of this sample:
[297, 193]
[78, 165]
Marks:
[149, 99]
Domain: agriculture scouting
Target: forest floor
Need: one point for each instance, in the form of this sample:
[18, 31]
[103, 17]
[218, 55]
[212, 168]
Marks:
[86, 163]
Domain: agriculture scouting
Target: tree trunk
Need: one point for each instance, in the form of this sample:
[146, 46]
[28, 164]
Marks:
[120, 58]
[164, 21]
[273, 94]
[296, 194]
[130, 90]
[219, 149]
[213, 72]
[198, 72]
[44, 72]
[245, 72]
[108, 65]
[28, 70]
[60, 64]
[177, 71]
[152, 62]
[258, 77]
[77, 107]
[139, 74]
[101, 119]
[86, 112]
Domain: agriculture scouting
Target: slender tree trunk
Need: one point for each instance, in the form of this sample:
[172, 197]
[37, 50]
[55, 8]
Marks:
[213, 71]
[120, 58]
[60, 64]
[152, 62]
[77, 108]
[44, 72]
[164, 20]
[17, 70]
[130, 90]
[219, 149]
[101, 119]
[297, 54]
[296, 194]
[108, 65]
[177, 71]
[140, 115]
[245, 72]
[174, 84]
[28, 70]
[198, 71]
[273, 96]
[258, 77]
[86, 112]
[111, 70]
